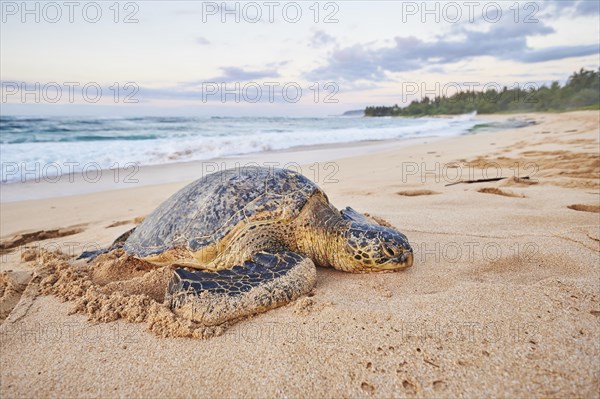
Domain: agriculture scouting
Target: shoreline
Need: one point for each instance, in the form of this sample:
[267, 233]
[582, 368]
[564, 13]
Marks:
[147, 175]
[151, 175]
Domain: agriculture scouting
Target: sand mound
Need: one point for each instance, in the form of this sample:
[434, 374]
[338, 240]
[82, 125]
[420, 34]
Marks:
[6, 284]
[116, 266]
[135, 296]
[12, 285]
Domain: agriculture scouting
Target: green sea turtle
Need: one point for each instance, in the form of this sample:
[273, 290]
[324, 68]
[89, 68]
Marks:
[256, 234]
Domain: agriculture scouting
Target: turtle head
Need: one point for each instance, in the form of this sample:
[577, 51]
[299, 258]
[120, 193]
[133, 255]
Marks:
[370, 247]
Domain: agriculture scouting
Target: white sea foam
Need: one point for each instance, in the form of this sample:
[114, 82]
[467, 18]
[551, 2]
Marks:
[32, 147]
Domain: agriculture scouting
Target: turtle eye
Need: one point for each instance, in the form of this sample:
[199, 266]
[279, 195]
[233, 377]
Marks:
[390, 250]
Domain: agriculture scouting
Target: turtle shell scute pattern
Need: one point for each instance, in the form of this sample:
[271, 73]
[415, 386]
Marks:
[205, 211]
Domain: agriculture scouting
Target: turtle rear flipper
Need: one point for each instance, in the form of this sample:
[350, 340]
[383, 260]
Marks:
[268, 280]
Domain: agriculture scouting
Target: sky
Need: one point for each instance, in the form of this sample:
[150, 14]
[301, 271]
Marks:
[274, 58]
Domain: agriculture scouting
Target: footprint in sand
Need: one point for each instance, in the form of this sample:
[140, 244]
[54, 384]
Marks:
[136, 220]
[530, 267]
[519, 181]
[586, 235]
[497, 191]
[416, 193]
[368, 388]
[585, 208]
[26, 238]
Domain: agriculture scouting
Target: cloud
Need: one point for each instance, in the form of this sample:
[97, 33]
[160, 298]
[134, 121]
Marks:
[558, 53]
[504, 40]
[202, 41]
[552, 9]
[236, 74]
[350, 63]
[588, 8]
[556, 5]
[320, 39]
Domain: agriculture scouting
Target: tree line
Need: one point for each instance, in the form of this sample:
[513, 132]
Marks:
[581, 91]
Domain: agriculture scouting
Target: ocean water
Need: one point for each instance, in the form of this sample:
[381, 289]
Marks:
[31, 148]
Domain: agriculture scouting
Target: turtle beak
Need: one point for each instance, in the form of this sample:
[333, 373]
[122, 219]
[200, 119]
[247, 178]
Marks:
[402, 261]
[406, 258]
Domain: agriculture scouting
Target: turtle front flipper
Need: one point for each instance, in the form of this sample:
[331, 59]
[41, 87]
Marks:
[268, 280]
[352, 215]
[118, 243]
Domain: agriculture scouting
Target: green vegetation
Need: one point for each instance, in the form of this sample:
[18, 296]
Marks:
[582, 91]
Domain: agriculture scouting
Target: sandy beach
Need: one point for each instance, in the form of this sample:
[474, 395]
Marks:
[503, 299]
